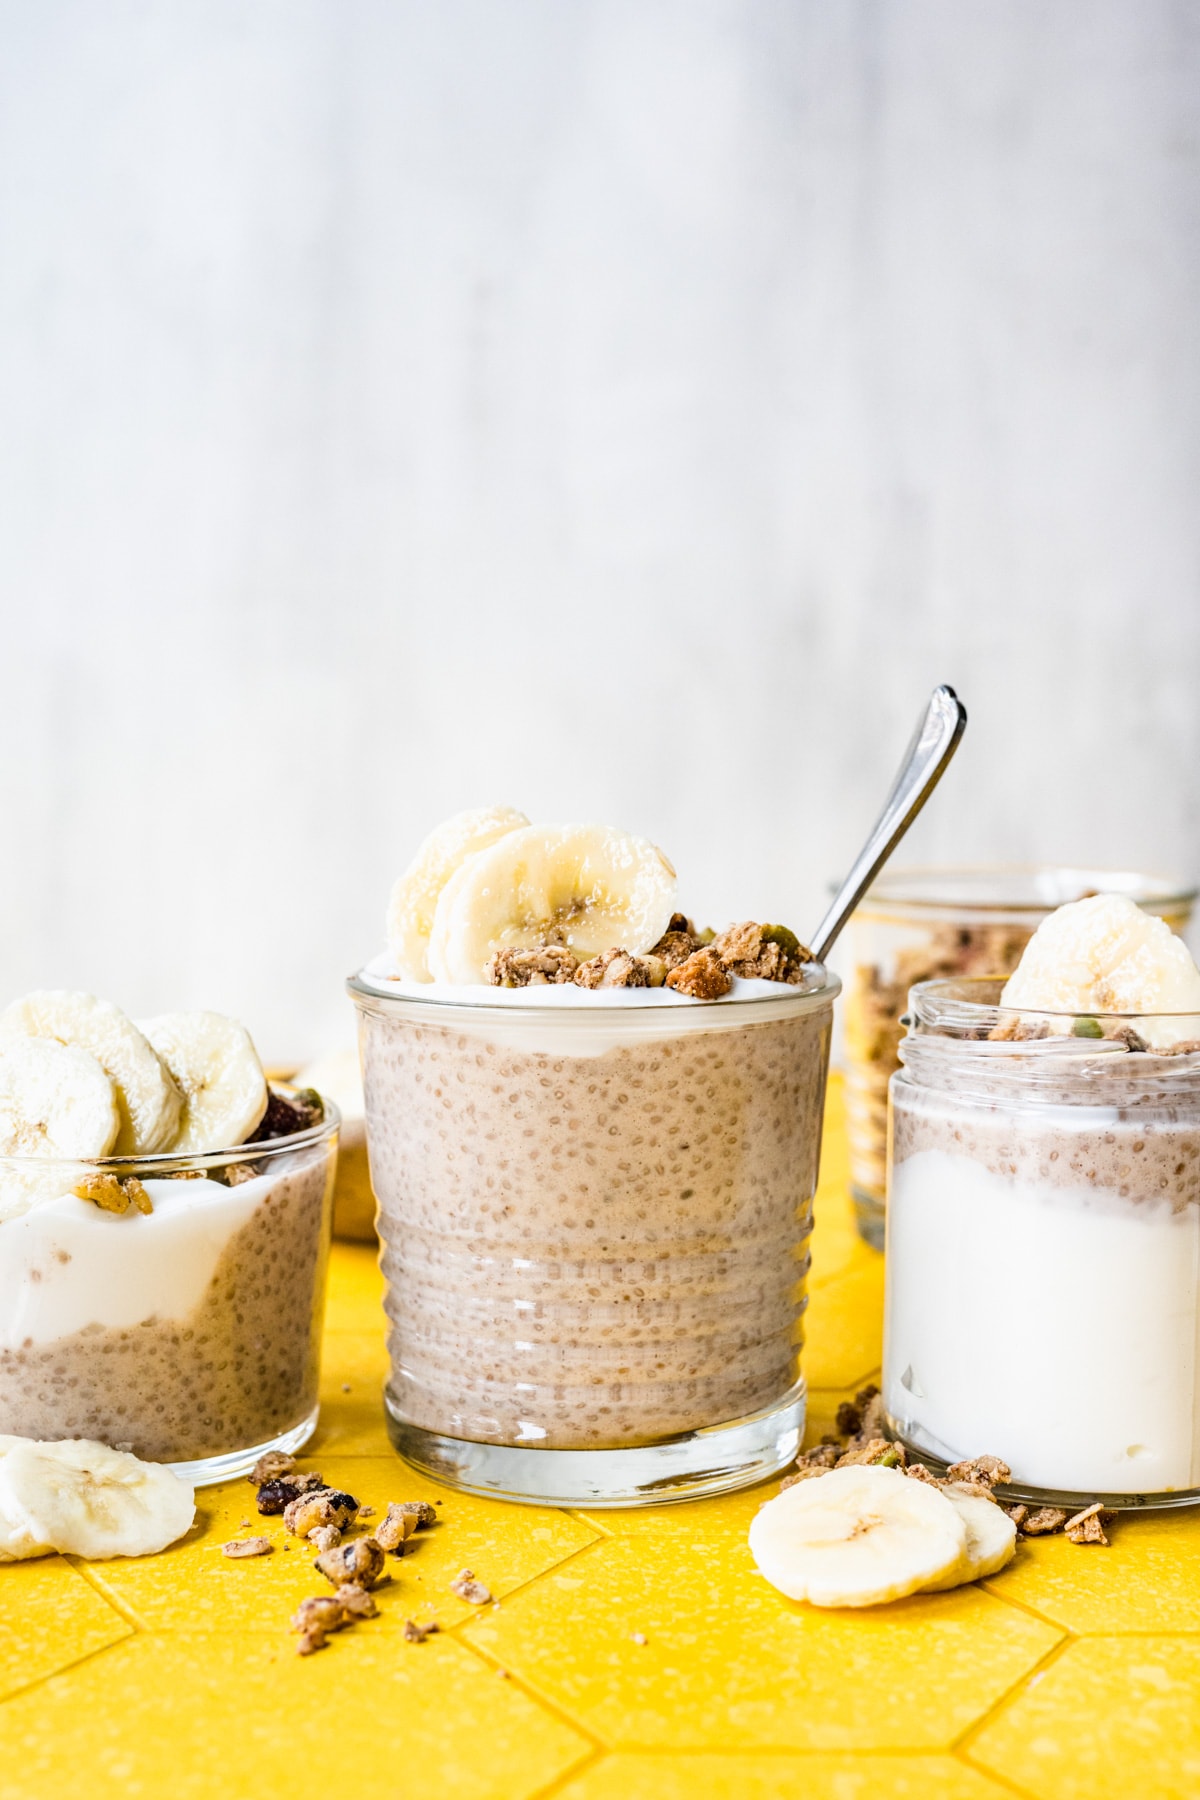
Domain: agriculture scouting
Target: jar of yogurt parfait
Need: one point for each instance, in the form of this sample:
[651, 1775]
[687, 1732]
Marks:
[1043, 1246]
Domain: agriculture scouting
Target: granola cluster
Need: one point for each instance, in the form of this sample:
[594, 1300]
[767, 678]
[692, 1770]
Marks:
[113, 1193]
[861, 1439]
[692, 962]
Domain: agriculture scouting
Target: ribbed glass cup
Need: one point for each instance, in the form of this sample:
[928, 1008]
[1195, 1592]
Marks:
[595, 1224]
[189, 1334]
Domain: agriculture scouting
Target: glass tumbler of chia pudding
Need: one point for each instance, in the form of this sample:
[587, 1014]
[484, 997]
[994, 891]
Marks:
[929, 924]
[168, 1304]
[594, 1208]
[1043, 1247]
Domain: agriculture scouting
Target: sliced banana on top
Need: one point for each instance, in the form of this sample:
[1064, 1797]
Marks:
[55, 1100]
[991, 1537]
[147, 1099]
[87, 1500]
[858, 1536]
[415, 895]
[1105, 955]
[213, 1063]
[586, 886]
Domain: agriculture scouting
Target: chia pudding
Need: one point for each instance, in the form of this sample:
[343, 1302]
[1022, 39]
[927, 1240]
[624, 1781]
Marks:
[1042, 1300]
[187, 1333]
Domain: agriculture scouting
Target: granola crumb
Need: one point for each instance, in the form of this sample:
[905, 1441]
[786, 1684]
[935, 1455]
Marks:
[236, 1173]
[320, 1612]
[310, 1641]
[876, 1450]
[1087, 1527]
[137, 1194]
[356, 1602]
[104, 1191]
[703, 976]
[985, 1471]
[919, 1472]
[360, 1561]
[762, 952]
[549, 965]
[253, 1546]
[395, 1528]
[469, 1588]
[1018, 1514]
[676, 944]
[324, 1506]
[639, 1637]
[366, 1512]
[324, 1537]
[1043, 1521]
[1187, 1047]
[1018, 1031]
[618, 968]
[270, 1467]
[416, 1634]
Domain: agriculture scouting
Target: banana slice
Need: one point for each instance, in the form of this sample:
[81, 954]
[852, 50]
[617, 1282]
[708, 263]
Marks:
[857, 1536]
[1105, 955]
[55, 1100]
[87, 1500]
[991, 1538]
[147, 1099]
[586, 886]
[213, 1063]
[415, 895]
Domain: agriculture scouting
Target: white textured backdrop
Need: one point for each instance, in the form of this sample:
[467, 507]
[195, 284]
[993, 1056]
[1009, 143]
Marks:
[621, 408]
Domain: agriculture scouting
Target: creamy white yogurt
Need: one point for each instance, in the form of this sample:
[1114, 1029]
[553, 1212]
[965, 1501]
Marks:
[1055, 1326]
[65, 1264]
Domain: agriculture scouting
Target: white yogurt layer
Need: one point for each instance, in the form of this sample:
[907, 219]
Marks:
[65, 1264]
[382, 974]
[1054, 1327]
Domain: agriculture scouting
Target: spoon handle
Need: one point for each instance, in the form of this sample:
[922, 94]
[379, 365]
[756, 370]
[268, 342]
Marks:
[933, 744]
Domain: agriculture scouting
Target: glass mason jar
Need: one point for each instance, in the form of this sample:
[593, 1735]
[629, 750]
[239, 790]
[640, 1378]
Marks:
[929, 924]
[595, 1224]
[187, 1326]
[1043, 1253]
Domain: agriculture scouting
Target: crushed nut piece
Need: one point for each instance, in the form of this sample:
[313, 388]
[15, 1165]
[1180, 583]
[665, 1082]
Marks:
[325, 1537]
[918, 1472]
[468, 1588]
[361, 1562]
[320, 1612]
[1045, 1520]
[547, 966]
[325, 1506]
[416, 1634]
[112, 1193]
[355, 1601]
[1018, 1514]
[639, 1637]
[986, 1471]
[270, 1467]
[703, 976]
[1087, 1527]
[366, 1512]
[617, 968]
[397, 1525]
[762, 952]
[1018, 1031]
[878, 1450]
[676, 943]
[310, 1641]
[254, 1546]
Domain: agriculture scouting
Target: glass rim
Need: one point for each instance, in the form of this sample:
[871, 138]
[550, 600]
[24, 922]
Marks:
[912, 886]
[941, 1003]
[144, 1163]
[367, 996]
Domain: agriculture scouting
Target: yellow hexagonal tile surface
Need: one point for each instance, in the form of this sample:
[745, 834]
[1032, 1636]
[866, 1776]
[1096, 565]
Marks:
[736, 1695]
[1112, 1717]
[190, 1717]
[777, 1777]
[50, 1617]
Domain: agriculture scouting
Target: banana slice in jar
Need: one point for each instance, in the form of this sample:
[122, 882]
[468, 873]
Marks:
[588, 887]
[213, 1063]
[858, 1536]
[147, 1099]
[415, 895]
[84, 1499]
[55, 1101]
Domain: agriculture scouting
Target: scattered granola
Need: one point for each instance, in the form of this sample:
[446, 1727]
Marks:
[762, 952]
[324, 1506]
[416, 1634]
[469, 1588]
[253, 1546]
[877, 1450]
[1087, 1527]
[1019, 1031]
[324, 1537]
[617, 968]
[984, 1471]
[361, 1562]
[639, 1637]
[677, 942]
[234, 1174]
[270, 1467]
[112, 1193]
[703, 976]
[287, 1114]
[366, 1512]
[396, 1526]
[1042, 1521]
[356, 1602]
[546, 966]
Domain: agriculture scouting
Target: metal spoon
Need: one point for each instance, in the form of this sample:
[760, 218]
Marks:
[933, 744]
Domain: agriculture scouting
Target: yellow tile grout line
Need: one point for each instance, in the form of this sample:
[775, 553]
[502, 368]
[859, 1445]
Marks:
[99, 1586]
[555, 1784]
[962, 1744]
[70, 1668]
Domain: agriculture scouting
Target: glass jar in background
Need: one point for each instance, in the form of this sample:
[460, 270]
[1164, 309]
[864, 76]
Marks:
[1043, 1237]
[936, 924]
[595, 1218]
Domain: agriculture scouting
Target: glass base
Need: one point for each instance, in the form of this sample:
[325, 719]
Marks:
[870, 1216]
[206, 1471]
[1068, 1499]
[713, 1461]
